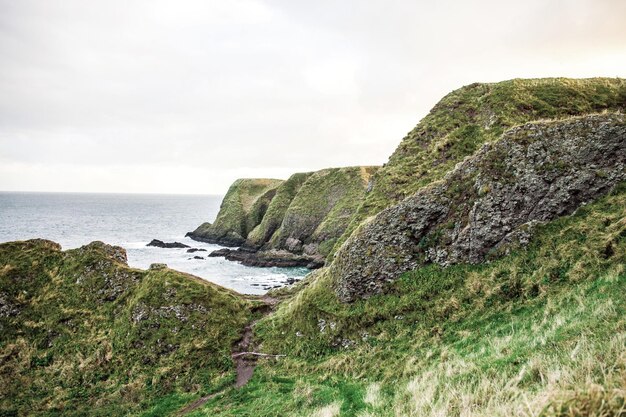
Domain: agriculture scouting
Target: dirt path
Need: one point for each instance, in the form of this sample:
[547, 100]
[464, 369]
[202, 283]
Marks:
[243, 355]
[245, 362]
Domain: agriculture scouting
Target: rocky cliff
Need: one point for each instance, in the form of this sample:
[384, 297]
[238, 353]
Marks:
[304, 217]
[533, 173]
[241, 211]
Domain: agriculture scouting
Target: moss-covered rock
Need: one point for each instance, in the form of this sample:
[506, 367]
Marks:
[475, 114]
[275, 213]
[81, 333]
[241, 211]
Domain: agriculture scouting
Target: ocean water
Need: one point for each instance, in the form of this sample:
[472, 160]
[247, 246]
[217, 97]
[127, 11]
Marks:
[131, 221]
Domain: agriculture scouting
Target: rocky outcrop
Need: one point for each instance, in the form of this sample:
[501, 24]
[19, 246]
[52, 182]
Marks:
[268, 258]
[110, 328]
[321, 210]
[534, 173]
[302, 221]
[462, 121]
[242, 210]
[275, 214]
[167, 245]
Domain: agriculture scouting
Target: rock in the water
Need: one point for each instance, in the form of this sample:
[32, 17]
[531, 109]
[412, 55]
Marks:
[534, 173]
[277, 258]
[160, 244]
[198, 257]
[220, 253]
[192, 250]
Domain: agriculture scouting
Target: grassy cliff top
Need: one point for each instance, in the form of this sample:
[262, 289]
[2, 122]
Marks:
[82, 333]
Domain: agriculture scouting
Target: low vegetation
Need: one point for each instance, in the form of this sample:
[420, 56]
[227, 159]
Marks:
[536, 328]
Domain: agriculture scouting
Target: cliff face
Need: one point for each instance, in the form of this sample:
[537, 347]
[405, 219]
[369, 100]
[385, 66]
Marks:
[303, 216]
[241, 211]
[473, 115]
[81, 333]
[534, 173]
[321, 210]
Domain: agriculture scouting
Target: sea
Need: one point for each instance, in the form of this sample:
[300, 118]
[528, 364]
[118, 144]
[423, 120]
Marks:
[132, 221]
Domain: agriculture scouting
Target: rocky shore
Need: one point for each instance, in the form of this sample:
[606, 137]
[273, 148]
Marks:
[276, 258]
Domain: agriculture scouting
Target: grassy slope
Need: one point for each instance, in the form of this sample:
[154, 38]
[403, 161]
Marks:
[242, 209]
[473, 115]
[94, 336]
[323, 206]
[541, 331]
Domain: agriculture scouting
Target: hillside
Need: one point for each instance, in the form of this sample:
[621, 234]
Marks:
[489, 202]
[495, 289]
[539, 332]
[82, 333]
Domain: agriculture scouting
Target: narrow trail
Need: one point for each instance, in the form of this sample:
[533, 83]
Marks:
[243, 355]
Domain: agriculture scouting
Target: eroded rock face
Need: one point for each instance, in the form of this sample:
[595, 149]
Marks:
[534, 173]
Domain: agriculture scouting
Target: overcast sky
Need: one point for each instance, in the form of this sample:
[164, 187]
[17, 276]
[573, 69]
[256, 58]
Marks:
[186, 96]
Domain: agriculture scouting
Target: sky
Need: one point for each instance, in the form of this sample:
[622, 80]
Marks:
[186, 96]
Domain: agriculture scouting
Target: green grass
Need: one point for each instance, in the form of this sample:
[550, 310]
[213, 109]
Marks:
[279, 205]
[539, 332]
[89, 335]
